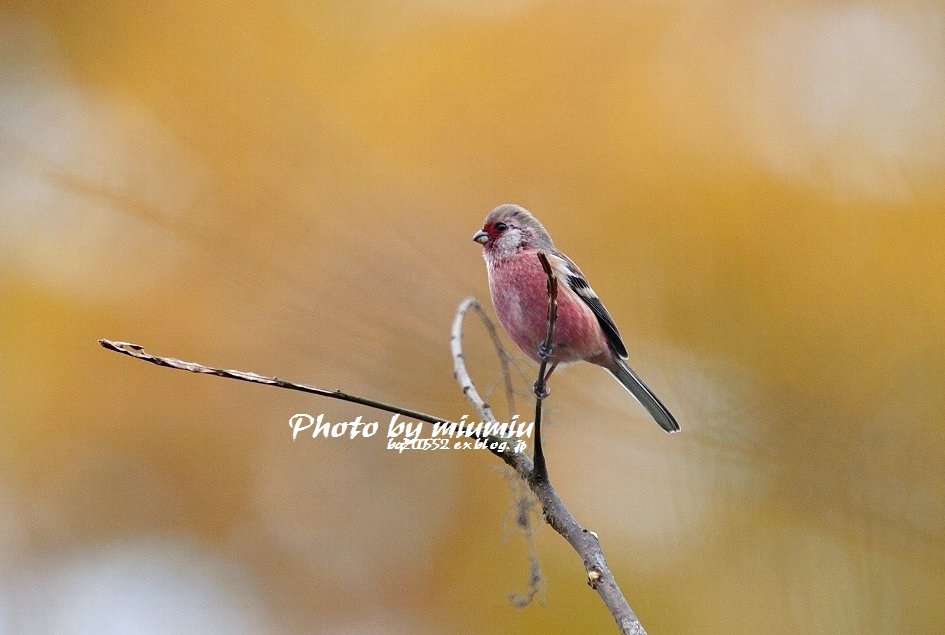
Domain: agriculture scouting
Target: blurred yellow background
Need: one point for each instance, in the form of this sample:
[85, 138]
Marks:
[755, 190]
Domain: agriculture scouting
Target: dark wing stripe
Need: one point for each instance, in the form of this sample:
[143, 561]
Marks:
[579, 285]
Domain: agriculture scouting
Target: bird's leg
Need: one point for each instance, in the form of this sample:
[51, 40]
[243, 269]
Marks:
[541, 384]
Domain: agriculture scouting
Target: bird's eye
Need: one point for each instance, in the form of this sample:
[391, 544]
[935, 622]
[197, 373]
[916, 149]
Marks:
[501, 227]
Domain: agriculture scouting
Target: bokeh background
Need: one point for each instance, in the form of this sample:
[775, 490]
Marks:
[755, 189]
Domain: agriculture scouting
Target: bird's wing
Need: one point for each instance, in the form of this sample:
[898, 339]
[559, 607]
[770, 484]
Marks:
[572, 275]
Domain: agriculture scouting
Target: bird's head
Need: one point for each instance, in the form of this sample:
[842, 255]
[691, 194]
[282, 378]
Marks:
[509, 229]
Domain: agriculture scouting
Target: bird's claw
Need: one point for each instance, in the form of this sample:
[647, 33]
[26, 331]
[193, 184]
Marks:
[544, 352]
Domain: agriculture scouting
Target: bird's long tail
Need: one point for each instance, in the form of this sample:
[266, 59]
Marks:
[643, 394]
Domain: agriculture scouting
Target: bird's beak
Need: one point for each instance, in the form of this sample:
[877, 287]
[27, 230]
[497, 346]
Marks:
[480, 237]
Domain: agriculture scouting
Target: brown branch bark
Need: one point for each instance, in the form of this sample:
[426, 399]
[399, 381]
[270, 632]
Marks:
[556, 513]
[513, 459]
[545, 350]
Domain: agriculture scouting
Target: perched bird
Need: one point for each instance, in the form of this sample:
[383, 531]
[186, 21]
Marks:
[584, 331]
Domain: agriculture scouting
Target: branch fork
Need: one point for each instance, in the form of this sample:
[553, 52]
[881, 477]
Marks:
[584, 542]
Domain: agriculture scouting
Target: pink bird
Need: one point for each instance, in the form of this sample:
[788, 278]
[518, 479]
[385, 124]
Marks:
[584, 331]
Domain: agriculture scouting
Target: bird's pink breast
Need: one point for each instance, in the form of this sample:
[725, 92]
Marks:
[520, 295]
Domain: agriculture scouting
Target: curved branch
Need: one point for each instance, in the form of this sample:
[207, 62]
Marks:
[472, 303]
[557, 515]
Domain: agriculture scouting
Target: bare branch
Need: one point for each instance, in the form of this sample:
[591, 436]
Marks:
[459, 361]
[517, 460]
[524, 499]
[583, 541]
[556, 513]
[138, 352]
[545, 350]
[526, 505]
[503, 354]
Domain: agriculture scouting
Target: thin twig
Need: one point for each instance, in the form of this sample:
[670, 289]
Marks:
[523, 511]
[504, 357]
[525, 500]
[138, 352]
[517, 460]
[544, 353]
